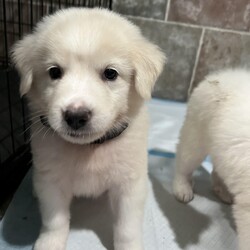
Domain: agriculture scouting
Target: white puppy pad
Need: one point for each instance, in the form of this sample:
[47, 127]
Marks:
[166, 118]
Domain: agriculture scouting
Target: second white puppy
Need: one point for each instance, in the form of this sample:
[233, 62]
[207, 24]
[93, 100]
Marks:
[218, 124]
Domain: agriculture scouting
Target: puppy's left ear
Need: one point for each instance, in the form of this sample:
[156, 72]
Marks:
[148, 62]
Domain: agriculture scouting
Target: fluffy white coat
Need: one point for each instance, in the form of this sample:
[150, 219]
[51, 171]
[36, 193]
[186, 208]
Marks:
[84, 42]
[218, 124]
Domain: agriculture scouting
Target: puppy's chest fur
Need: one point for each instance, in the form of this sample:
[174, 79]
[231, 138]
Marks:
[94, 170]
[87, 170]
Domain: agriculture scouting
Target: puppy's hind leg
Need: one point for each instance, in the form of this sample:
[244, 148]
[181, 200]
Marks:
[190, 153]
[220, 189]
[241, 212]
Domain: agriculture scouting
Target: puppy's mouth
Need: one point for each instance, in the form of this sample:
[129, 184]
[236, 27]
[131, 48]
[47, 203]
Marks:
[76, 135]
[110, 134]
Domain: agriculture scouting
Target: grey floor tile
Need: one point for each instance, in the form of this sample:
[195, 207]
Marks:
[180, 44]
[222, 50]
[224, 13]
[144, 8]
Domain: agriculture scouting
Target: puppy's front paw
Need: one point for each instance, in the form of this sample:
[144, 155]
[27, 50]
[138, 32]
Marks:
[183, 190]
[49, 241]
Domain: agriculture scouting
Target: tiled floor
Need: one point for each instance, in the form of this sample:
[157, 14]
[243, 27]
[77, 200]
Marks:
[197, 36]
[145, 8]
[180, 44]
[227, 14]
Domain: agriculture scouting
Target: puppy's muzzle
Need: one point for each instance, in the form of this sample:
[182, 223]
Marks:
[77, 118]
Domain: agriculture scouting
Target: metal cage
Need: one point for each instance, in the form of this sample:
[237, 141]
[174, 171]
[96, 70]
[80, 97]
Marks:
[17, 18]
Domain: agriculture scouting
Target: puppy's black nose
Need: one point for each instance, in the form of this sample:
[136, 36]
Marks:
[77, 118]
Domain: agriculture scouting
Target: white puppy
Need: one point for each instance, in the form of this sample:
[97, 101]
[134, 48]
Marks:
[86, 73]
[218, 124]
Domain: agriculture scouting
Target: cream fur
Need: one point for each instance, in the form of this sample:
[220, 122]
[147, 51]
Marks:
[218, 124]
[83, 42]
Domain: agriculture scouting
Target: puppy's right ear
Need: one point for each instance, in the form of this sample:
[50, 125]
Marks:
[21, 55]
[148, 62]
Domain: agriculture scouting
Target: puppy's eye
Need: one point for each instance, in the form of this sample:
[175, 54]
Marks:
[110, 74]
[55, 72]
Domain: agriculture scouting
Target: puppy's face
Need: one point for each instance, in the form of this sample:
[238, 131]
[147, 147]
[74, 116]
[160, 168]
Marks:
[82, 83]
[82, 69]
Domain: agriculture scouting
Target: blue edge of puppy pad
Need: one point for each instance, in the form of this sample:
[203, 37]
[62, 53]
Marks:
[205, 223]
